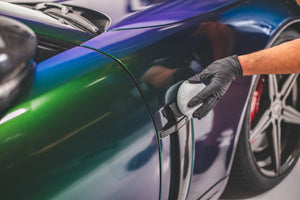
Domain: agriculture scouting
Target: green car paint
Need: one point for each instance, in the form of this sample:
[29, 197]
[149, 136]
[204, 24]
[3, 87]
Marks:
[83, 135]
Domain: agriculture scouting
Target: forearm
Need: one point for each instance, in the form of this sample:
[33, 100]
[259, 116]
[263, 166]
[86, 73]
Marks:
[281, 59]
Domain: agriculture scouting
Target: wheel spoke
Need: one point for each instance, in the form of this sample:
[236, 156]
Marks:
[276, 137]
[291, 115]
[264, 163]
[288, 85]
[273, 87]
[262, 125]
[281, 111]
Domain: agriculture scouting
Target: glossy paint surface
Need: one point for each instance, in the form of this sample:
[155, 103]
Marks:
[88, 138]
[177, 162]
[159, 63]
[85, 132]
[132, 14]
[144, 13]
[180, 50]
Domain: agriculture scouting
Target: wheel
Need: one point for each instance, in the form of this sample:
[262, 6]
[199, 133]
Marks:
[269, 144]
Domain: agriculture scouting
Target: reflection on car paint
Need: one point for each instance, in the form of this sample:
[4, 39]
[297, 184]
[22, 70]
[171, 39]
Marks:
[72, 153]
[196, 43]
[195, 160]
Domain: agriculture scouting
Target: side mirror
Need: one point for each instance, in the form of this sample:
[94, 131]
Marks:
[17, 49]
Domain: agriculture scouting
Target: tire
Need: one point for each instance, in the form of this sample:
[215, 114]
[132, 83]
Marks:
[269, 142]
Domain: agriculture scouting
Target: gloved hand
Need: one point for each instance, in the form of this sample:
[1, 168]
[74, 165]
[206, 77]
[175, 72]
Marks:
[221, 73]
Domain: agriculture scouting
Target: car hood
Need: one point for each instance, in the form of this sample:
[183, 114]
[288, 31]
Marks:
[126, 14]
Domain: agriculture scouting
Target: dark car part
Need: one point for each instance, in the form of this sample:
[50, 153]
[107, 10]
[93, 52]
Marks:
[170, 116]
[17, 49]
[53, 36]
[87, 20]
[44, 24]
[269, 146]
[48, 47]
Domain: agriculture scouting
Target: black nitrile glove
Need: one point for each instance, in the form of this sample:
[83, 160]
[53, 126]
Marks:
[221, 73]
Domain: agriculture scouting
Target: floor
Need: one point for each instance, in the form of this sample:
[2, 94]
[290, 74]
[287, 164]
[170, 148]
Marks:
[288, 189]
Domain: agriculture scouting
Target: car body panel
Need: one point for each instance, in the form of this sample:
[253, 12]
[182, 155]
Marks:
[177, 157]
[135, 14]
[162, 55]
[57, 145]
[153, 60]
[124, 15]
[96, 105]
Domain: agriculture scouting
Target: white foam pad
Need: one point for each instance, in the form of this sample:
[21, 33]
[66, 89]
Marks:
[185, 93]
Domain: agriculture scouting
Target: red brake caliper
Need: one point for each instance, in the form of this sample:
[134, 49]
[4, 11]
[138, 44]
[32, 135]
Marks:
[256, 100]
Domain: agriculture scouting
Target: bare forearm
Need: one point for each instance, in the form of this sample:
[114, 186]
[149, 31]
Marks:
[281, 59]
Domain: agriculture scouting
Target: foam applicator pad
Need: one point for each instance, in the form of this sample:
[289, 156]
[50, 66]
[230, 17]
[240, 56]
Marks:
[185, 93]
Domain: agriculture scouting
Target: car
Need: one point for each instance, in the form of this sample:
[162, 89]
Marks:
[91, 113]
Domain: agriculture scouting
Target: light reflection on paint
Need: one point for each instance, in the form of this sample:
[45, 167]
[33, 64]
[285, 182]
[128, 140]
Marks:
[2, 43]
[263, 27]
[112, 171]
[36, 103]
[95, 82]
[6, 88]
[205, 125]
[67, 136]
[225, 137]
[13, 115]
[12, 138]
[170, 27]
[3, 56]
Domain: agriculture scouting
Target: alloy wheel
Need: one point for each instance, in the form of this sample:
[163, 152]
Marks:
[275, 124]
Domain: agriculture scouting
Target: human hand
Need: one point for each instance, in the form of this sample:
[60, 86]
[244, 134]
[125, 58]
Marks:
[221, 73]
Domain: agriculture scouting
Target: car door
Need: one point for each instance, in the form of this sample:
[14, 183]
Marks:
[83, 132]
[195, 153]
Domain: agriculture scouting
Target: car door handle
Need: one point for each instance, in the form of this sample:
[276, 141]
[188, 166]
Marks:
[172, 119]
[168, 130]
